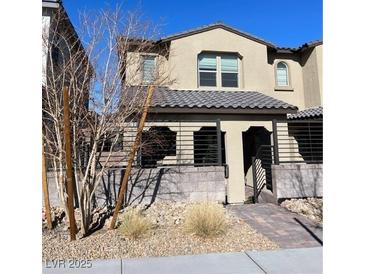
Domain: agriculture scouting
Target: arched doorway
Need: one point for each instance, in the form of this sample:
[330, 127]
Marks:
[252, 139]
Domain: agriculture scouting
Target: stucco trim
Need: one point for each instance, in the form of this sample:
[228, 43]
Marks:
[221, 52]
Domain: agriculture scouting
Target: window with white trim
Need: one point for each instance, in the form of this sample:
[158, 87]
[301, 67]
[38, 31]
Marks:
[148, 68]
[229, 70]
[207, 64]
[218, 70]
[282, 74]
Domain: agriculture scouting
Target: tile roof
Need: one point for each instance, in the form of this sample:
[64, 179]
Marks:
[207, 99]
[302, 47]
[315, 112]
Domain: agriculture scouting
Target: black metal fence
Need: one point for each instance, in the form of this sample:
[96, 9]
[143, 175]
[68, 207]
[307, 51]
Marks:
[261, 170]
[298, 141]
[167, 143]
[294, 141]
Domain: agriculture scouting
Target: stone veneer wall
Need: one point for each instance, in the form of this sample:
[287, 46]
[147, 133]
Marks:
[168, 183]
[295, 180]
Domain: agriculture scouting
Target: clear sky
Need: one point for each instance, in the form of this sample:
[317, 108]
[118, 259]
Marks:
[286, 23]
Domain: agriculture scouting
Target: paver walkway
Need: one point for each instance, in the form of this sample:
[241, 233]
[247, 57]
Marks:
[283, 261]
[287, 229]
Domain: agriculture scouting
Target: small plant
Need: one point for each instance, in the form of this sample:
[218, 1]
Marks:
[206, 219]
[133, 224]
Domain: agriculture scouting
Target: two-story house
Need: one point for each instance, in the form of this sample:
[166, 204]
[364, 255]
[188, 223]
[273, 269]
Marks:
[217, 72]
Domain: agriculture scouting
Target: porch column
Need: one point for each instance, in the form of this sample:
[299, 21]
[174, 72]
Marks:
[234, 159]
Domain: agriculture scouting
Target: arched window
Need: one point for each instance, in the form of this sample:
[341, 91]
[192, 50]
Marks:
[282, 74]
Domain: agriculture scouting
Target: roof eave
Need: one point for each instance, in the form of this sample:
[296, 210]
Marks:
[319, 117]
[213, 110]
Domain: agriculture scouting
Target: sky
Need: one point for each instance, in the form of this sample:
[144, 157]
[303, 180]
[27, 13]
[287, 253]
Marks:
[286, 23]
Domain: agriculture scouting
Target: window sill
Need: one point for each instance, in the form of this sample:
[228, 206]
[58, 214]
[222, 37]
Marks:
[215, 88]
[284, 89]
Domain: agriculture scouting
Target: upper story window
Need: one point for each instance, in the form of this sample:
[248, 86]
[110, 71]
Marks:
[282, 74]
[148, 68]
[218, 70]
[229, 70]
[207, 70]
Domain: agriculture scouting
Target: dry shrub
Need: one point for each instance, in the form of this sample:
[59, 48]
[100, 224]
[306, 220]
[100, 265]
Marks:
[206, 219]
[133, 224]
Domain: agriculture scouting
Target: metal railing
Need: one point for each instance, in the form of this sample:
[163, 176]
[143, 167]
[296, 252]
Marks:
[261, 169]
[167, 143]
[294, 141]
[298, 141]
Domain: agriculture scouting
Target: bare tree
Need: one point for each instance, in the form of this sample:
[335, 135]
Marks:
[99, 69]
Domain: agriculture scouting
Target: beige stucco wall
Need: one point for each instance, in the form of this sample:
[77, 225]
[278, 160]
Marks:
[184, 56]
[255, 72]
[312, 77]
[294, 93]
[134, 69]
[319, 52]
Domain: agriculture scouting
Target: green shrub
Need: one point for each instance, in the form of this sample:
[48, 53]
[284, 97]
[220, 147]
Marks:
[133, 224]
[206, 219]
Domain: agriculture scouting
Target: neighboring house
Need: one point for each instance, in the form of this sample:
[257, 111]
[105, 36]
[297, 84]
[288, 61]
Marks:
[60, 43]
[51, 9]
[218, 73]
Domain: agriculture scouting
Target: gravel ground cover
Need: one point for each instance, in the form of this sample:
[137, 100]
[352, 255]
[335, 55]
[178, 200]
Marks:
[311, 208]
[168, 238]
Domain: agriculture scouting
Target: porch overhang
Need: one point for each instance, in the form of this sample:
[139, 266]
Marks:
[201, 110]
[167, 100]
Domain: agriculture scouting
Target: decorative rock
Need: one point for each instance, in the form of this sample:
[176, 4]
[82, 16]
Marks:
[168, 238]
[311, 208]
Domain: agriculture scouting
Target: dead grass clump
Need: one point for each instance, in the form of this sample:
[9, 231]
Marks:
[133, 224]
[206, 220]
